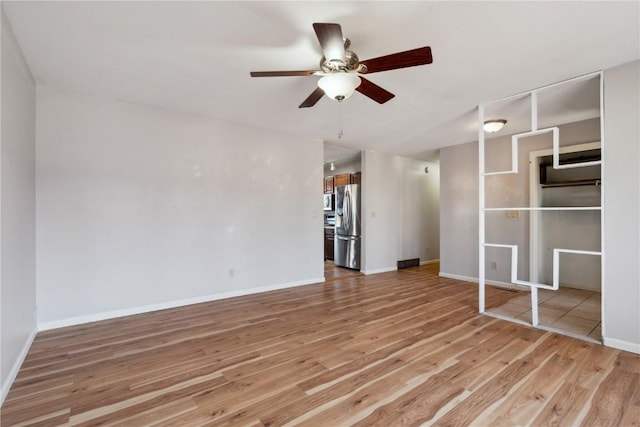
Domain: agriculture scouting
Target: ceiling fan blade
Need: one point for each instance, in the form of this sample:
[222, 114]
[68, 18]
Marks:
[283, 73]
[331, 41]
[409, 58]
[313, 98]
[374, 91]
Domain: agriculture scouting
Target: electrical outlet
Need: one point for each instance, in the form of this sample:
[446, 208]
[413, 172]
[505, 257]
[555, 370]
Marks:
[232, 272]
[494, 265]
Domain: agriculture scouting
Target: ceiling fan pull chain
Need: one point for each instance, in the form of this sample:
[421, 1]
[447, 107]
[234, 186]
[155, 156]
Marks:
[340, 120]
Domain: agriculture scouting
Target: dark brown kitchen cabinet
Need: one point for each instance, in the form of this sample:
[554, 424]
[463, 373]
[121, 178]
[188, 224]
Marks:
[329, 237]
[356, 178]
[328, 185]
[342, 179]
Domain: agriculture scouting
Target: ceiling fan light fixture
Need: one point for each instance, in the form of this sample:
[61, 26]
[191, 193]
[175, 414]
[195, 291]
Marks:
[493, 126]
[339, 86]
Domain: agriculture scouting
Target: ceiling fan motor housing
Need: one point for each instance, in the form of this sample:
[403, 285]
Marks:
[350, 63]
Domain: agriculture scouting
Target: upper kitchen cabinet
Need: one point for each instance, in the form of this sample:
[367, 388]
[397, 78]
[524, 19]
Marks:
[328, 185]
[331, 182]
[342, 179]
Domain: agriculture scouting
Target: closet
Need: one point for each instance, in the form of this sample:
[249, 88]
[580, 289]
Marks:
[540, 206]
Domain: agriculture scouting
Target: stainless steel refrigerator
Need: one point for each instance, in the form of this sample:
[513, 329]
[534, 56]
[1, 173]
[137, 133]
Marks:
[347, 237]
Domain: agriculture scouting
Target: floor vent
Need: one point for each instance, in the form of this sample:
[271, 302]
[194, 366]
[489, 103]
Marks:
[414, 262]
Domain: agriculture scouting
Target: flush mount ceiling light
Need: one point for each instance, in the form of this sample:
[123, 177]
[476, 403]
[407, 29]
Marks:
[493, 126]
[340, 85]
[331, 163]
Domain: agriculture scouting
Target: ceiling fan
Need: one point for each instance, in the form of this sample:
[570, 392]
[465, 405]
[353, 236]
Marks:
[341, 69]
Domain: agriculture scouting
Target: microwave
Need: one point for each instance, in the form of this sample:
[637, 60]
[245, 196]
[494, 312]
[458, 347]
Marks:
[328, 202]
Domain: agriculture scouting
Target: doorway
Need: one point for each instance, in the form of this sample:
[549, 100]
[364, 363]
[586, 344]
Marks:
[576, 306]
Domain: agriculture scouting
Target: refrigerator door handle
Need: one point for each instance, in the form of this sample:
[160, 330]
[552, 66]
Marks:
[341, 237]
[347, 209]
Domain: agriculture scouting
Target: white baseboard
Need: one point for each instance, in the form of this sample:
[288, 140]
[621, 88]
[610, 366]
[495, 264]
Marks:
[622, 345]
[388, 269]
[53, 324]
[496, 283]
[8, 381]
[458, 277]
[379, 270]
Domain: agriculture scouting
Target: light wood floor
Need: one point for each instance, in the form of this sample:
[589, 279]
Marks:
[332, 271]
[398, 348]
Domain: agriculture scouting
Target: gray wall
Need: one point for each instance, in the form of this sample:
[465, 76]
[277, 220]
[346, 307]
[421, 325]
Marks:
[621, 177]
[557, 229]
[459, 200]
[459, 210]
[431, 210]
[17, 202]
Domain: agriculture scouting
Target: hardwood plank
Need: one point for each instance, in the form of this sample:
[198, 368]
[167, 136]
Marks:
[564, 407]
[339, 411]
[354, 366]
[420, 403]
[630, 415]
[295, 409]
[112, 393]
[124, 408]
[486, 368]
[593, 368]
[525, 404]
[238, 393]
[51, 419]
[608, 403]
[628, 362]
[251, 413]
[466, 411]
[159, 415]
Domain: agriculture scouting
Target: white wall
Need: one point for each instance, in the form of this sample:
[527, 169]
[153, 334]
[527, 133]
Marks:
[621, 178]
[139, 206]
[17, 209]
[399, 203]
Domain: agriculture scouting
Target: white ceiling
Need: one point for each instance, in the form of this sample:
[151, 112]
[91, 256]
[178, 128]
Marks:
[195, 57]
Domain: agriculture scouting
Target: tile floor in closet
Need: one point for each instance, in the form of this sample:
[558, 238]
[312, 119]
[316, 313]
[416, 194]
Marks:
[573, 310]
